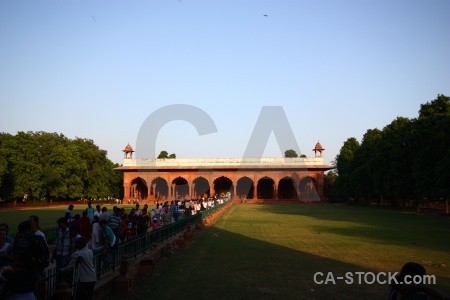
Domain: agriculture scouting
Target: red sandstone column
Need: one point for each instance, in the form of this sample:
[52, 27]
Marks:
[127, 191]
[211, 189]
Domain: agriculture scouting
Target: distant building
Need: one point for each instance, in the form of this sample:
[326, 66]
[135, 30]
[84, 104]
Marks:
[277, 179]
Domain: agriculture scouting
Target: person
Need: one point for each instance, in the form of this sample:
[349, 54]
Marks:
[90, 212]
[132, 224]
[74, 233]
[62, 250]
[69, 210]
[104, 215]
[109, 237]
[187, 208]
[143, 223]
[85, 226]
[4, 261]
[109, 243]
[158, 211]
[137, 211]
[401, 290]
[114, 222]
[83, 259]
[20, 277]
[166, 216]
[97, 238]
[68, 218]
[35, 228]
[175, 211]
[123, 227]
[76, 221]
[28, 242]
[155, 224]
[198, 206]
[98, 210]
[132, 217]
[9, 239]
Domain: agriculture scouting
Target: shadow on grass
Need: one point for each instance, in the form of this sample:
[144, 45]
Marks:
[226, 265]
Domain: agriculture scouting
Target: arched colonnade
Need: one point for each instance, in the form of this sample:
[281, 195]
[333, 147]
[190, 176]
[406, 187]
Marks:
[251, 184]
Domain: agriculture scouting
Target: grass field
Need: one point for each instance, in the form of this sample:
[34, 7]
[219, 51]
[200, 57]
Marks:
[47, 216]
[273, 252]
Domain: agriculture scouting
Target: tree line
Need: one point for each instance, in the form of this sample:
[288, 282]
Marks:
[408, 160]
[41, 166]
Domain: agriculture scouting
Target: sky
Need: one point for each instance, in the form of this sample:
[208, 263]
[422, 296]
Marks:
[101, 70]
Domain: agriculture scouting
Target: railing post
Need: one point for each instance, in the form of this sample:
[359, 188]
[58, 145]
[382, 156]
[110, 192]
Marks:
[122, 283]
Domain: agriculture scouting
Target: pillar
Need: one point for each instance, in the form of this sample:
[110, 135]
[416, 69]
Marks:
[153, 190]
[211, 189]
[173, 190]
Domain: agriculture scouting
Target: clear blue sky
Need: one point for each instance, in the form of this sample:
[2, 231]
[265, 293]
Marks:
[98, 69]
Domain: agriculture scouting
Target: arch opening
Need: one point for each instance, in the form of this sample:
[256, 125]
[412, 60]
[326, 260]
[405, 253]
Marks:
[180, 188]
[308, 189]
[223, 185]
[286, 189]
[265, 188]
[201, 188]
[160, 189]
[245, 188]
[138, 189]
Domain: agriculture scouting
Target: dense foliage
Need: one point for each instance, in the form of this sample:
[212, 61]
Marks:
[48, 166]
[165, 154]
[290, 153]
[408, 160]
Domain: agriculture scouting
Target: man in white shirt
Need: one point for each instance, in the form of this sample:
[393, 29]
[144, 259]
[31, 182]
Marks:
[98, 211]
[83, 259]
[34, 220]
[137, 211]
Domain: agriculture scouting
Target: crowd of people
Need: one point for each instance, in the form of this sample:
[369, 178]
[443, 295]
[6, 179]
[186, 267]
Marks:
[24, 258]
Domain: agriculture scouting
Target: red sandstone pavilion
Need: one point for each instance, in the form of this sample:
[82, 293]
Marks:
[254, 179]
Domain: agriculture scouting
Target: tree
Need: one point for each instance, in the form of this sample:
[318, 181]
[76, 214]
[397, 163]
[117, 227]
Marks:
[329, 180]
[439, 106]
[364, 166]
[96, 179]
[408, 160]
[345, 167]
[41, 164]
[290, 153]
[398, 154]
[431, 163]
[3, 161]
[24, 169]
[163, 154]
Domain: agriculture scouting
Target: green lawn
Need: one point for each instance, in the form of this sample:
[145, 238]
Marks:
[273, 252]
[47, 216]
